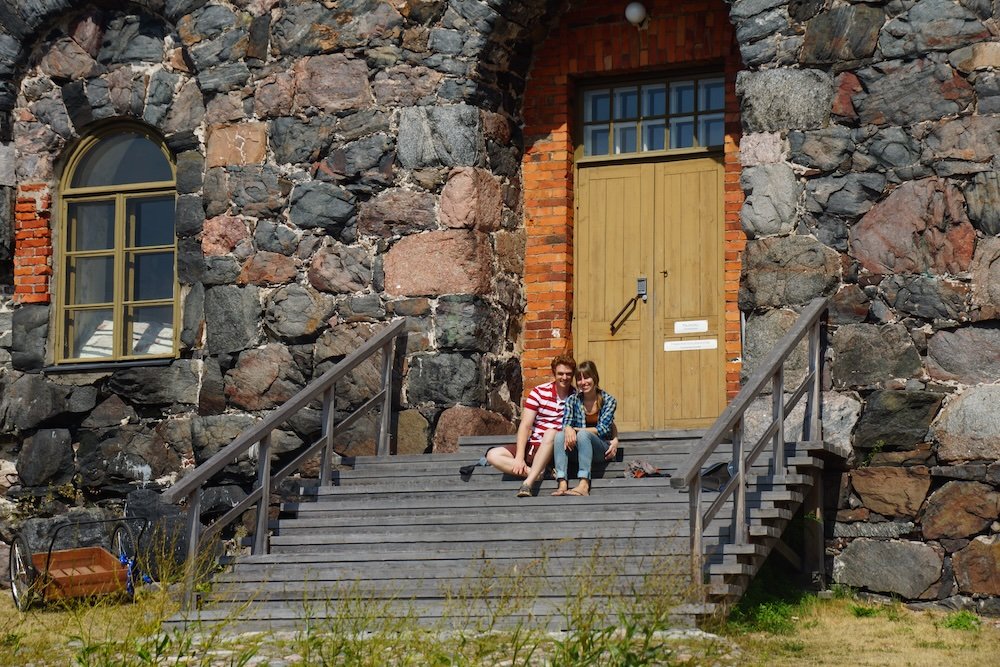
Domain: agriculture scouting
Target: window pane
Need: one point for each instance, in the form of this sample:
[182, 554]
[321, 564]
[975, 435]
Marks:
[120, 159]
[152, 330]
[653, 135]
[89, 333]
[90, 279]
[682, 132]
[625, 139]
[626, 103]
[596, 106]
[654, 100]
[152, 276]
[682, 97]
[711, 130]
[595, 140]
[150, 221]
[91, 225]
[711, 95]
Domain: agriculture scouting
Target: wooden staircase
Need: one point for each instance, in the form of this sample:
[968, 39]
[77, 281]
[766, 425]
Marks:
[409, 537]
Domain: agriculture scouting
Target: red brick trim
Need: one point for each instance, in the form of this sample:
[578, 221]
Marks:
[32, 243]
[594, 40]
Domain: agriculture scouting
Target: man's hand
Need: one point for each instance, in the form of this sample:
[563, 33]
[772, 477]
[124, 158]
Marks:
[612, 449]
[569, 434]
[520, 468]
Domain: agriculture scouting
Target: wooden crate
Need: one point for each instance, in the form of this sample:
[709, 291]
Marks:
[79, 573]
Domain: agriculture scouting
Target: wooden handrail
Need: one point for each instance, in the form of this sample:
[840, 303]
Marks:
[189, 488]
[731, 422]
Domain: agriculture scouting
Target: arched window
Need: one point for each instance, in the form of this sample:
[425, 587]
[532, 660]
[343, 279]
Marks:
[116, 271]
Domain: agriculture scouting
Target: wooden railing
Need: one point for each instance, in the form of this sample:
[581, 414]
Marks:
[190, 487]
[730, 424]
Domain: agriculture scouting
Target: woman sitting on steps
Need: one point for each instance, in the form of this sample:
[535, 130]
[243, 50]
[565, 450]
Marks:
[588, 427]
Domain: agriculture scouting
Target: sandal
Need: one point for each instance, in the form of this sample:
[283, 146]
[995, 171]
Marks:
[524, 491]
[561, 491]
[579, 490]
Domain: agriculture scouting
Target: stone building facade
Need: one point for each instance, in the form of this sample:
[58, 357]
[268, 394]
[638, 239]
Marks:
[341, 164]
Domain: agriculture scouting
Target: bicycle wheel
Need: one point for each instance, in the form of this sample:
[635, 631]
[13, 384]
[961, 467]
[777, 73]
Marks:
[124, 549]
[23, 575]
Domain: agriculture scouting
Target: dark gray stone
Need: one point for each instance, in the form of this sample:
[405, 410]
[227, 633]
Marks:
[895, 149]
[257, 191]
[367, 307]
[212, 397]
[762, 333]
[969, 473]
[297, 141]
[219, 270]
[907, 92]
[46, 458]
[371, 156]
[52, 112]
[320, 205]
[217, 500]
[159, 95]
[930, 25]
[466, 322]
[305, 28]
[74, 95]
[762, 25]
[444, 379]
[121, 459]
[982, 194]
[228, 47]
[786, 271]
[164, 544]
[295, 311]
[189, 216]
[440, 136]
[273, 237]
[193, 323]
[232, 318]
[31, 400]
[772, 193]
[888, 566]
[896, 420]
[825, 149]
[80, 531]
[152, 385]
[844, 33]
[785, 99]
[129, 39]
[224, 78]
[927, 297]
[362, 123]
[867, 354]
[30, 331]
[969, 355]
[113, 411]
[987, 92]
[190, 172]
[850, 195]
[215, 189]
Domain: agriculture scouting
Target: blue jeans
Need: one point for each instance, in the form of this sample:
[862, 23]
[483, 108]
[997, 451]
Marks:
[587, 445]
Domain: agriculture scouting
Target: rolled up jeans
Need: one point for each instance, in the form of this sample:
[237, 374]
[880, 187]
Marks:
[588, 445]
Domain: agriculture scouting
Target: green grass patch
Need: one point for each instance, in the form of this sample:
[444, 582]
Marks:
[962, 620]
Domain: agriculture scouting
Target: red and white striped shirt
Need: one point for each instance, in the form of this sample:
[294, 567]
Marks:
[545, 401]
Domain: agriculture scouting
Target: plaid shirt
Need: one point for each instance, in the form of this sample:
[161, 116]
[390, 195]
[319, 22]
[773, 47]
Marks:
[577, 418]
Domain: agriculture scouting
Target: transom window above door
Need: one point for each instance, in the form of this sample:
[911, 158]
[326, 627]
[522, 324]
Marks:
[116, 276]
[654, 116]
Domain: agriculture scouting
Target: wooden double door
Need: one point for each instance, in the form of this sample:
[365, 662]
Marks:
[663, 358]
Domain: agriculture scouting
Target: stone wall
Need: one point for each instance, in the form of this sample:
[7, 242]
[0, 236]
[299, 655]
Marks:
[869, 166]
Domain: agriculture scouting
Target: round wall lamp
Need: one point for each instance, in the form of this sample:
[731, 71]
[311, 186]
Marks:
[635, 13]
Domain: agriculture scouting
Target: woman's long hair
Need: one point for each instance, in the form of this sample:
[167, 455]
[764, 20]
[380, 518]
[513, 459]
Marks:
[588, 369]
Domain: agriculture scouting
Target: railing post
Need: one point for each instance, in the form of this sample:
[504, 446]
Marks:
[264, 481]
[695, 521]
[193, 537]
[329, 414]
[386, 421]
[812, 424]
[778, 415]
[741, 534]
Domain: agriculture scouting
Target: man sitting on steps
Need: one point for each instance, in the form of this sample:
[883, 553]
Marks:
[540, 420]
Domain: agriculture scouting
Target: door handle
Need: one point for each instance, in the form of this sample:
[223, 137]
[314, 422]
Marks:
[618, 321]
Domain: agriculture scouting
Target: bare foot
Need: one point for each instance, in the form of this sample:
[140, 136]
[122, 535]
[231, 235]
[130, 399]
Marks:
[581, 489]
[561, 491]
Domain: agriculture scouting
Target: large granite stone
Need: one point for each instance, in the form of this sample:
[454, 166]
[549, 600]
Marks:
[772, 193]
[152, 385]
[849, 196]
[977, 566]
[449, 136]
[982, 195]
[846, 32]
[397, 212]
[232, 318]
[341, 269]
[240, 144]
[930, 25]
[30, 331]
[267, 268]
[466, 322]
[786, 271]
[888, 566]
[825, 149]
[296, 312]
[921, 227]
[332, 83]
[297, 141]
[46, 458]
[263, 378]
[896, 419]
[784, 99]
[868, 354]
[405, 85]
[970, 355]
[960, 509]
[840, 412]
[444, 379]
[320, 205]
[471, 199]
[762, 333]
[30, 400]
[461, 420]
[892, 492]
[120, 459]
[985, 271]
[446, 262]
[932, 298]
[969, 426]
[904, 92]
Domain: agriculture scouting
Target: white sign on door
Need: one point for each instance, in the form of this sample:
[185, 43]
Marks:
[691, 326]
[681, 345]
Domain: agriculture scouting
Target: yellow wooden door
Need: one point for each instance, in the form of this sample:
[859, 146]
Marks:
[661, 222]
